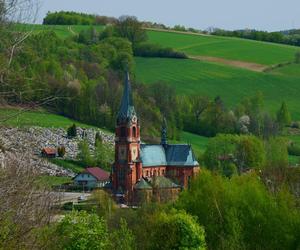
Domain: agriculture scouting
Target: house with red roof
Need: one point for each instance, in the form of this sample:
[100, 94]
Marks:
[92, 177]
[48, 152]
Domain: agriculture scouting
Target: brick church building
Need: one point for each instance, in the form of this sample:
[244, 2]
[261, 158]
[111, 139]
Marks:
[147, 171]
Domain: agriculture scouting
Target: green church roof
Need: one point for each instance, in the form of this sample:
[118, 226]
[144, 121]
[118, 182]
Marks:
[167, 155]
[163, 182]
[142, 184]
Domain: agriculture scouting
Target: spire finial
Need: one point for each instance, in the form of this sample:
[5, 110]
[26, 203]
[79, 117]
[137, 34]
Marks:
[164, 129]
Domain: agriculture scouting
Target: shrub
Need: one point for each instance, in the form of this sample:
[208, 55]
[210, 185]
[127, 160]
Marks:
[154, 50]
[61, 151]
[295, 125]
[297, 57]
[72, 131]
[294, 150]
[68, 206]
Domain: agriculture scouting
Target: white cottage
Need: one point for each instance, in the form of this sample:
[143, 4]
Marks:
[92, 177]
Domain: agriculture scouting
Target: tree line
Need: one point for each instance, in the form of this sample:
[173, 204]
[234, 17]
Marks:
[75, 18]
[291, 38]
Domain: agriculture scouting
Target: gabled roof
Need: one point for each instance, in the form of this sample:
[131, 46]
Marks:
[142, 184]
[153, 155]
[167, 155]
[98, 173]
[180, 155]
[163, 182]
[49, 151]
[126, 111]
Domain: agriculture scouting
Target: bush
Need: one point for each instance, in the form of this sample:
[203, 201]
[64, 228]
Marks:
[61, 151]
[295, 125]
[297, 57]
[294, 150]
[240, 213]
[153, 50]
[72, 131]
[68, 206]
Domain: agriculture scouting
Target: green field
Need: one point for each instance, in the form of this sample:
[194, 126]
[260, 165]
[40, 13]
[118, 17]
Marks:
[50, 181]
[198, 142]
[197, 45]
[232, 84]
[225, 47]
[16, 118]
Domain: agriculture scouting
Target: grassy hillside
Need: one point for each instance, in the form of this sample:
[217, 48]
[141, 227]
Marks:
[63, 31]
[225, 47]
[18, 118]
[232, 84]
[195, 45]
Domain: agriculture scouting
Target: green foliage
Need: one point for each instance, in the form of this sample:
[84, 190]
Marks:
[239, 213]
[103, 155]
[177, 230]
[80, 230]
[283, 115]
[129, 27]
[297, 57]
[154, 50]
[74, 18]
[104, 204]
[277, 153]
[226, 154]
[294, 149]
[72, 131]
[274, 37]
[61, 151]
[122, 238]
[84, 154]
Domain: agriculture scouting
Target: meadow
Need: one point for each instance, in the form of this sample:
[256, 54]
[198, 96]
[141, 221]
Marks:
[225, 47]
[15, 117]
[232, 84]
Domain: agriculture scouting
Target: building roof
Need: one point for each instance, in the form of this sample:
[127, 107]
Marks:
[98, 173]
[49, 151]
[163, 182]
[142, 184]
[153, 155]
[180, 154]
[126, 111]
[168, 155]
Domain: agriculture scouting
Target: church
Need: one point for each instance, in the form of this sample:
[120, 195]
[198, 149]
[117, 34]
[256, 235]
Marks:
[147, 171]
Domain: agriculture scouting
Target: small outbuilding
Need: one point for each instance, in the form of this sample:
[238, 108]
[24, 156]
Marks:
[49, 152]
[92, 177]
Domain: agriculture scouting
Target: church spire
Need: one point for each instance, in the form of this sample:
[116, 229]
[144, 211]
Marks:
[164, 139]
[126, 111]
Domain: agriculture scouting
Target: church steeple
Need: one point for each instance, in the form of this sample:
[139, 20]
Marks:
[126, 111]
[164, 138]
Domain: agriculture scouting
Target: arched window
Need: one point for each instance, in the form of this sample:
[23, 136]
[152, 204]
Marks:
[123, 131]
[134, 131]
